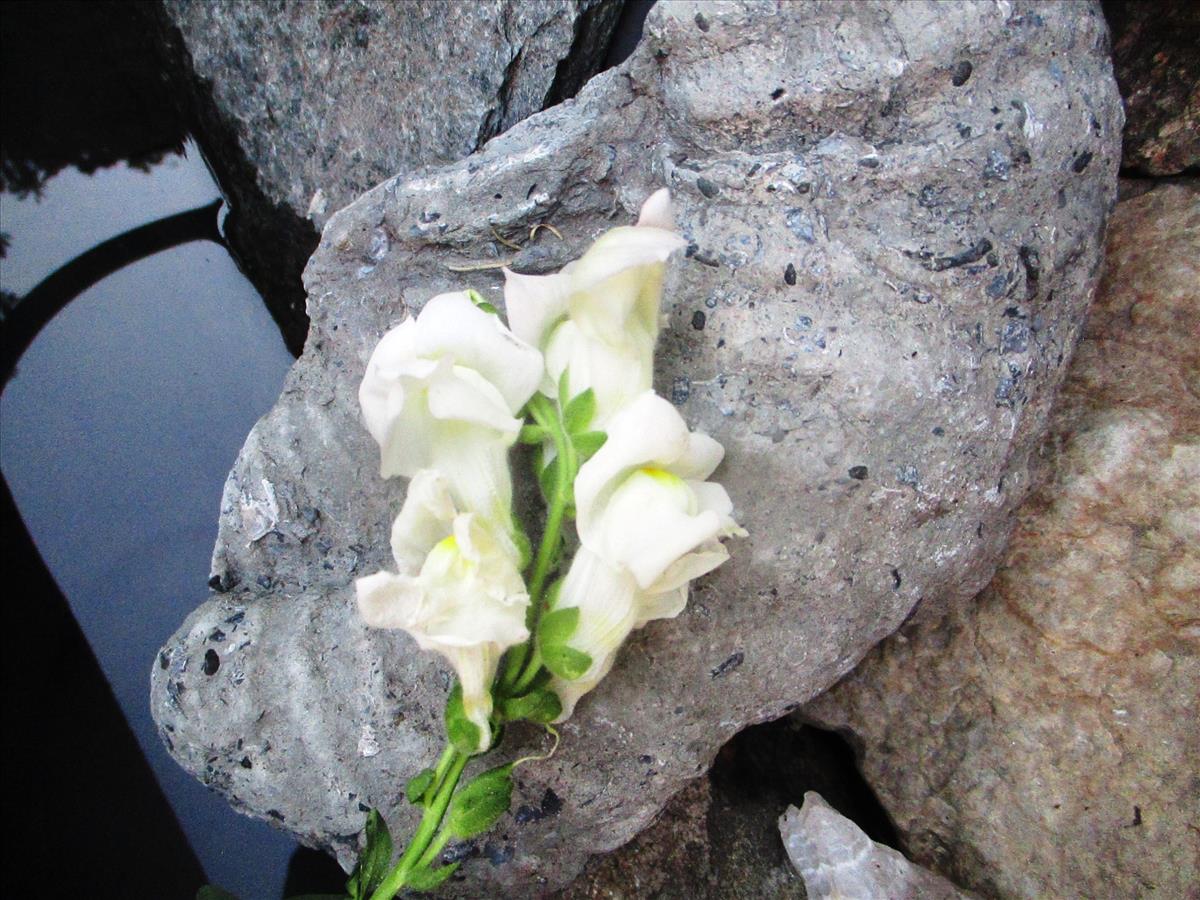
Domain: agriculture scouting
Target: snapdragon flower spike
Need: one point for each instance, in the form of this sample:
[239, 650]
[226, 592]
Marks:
[443, 391]
[649, 522]
[466, 602]
[598, 318]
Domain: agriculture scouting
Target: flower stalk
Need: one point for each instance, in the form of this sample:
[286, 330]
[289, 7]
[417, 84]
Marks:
[446, 395]
[434, 813]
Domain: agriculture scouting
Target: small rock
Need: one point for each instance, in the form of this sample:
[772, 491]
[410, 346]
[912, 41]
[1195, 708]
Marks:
[837, 860]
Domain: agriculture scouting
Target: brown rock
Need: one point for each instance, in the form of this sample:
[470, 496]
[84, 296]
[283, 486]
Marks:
[1156, 58]
[1046, 741]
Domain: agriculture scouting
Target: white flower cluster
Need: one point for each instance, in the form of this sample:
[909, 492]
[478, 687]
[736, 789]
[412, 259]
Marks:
[444, 395]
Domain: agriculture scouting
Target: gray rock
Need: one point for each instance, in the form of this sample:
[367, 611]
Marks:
[877, 431]
[336, 97]
[303, 106]
[836, 859]
[1045, 740]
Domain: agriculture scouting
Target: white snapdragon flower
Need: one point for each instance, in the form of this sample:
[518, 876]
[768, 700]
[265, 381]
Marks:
[648, 524]
[443, 391]
[598, 318]
[458, 591]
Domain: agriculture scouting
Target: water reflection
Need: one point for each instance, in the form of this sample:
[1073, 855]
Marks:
[116, 434]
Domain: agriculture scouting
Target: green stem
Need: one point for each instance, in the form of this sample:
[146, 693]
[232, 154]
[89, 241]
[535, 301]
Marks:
[439, 844]
[425, 831]
[531, 670]
[439, 772]
[547, 414]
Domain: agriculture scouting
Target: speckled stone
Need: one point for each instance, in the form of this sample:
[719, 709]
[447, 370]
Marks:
[878, 409]
[302, 106]
[330, 98]
[1045, 741]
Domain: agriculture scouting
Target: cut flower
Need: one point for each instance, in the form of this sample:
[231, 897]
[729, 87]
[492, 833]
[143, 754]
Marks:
[597, 319]
[443, 390]
[466, 602]
[648, 524]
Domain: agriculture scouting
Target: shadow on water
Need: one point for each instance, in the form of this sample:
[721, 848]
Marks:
[135, 357]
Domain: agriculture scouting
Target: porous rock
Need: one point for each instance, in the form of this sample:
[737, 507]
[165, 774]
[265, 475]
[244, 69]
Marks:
[303, 106]
[836, 859]
[1046, 740]
[894, 215]
[337, 97]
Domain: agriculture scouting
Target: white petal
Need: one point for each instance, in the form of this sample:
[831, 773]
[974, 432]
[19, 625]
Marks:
[621, 249]
[701, 458]
[712, 496]
[648, 430]
[651, 520]
[388, 601]
[606, 599]
[451, 325]
[424, 519]
[393, 401]
[615, 375]
[623, 308]
[462, 394]
[664, 605]
[476, 669]
[473, 591]
[535, 304]
[570, 692]
[475, 465]
[657, 212]
[690, 566]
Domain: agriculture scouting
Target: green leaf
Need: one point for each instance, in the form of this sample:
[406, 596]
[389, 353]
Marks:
[533, 435]
[566, 662]
[464, 734]
[557, 626]
[373, 860]
[213, 892]
[564, 385]
[540, 705]
[480, 804]
[578, 414]
[587, 443]
[416, 787]
[524, 547]
[553, 592]
[428, 879]
[477, 299]
[548, 478]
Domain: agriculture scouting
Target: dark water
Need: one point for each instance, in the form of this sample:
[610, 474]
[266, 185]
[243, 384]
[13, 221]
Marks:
[116, 434]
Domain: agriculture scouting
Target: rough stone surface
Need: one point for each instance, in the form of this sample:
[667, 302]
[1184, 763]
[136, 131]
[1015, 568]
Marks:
[335, 97]
[1156, 59]
[718, 838]
[836, 859]
[303, 106]
[893, 250]
[1046, 740]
